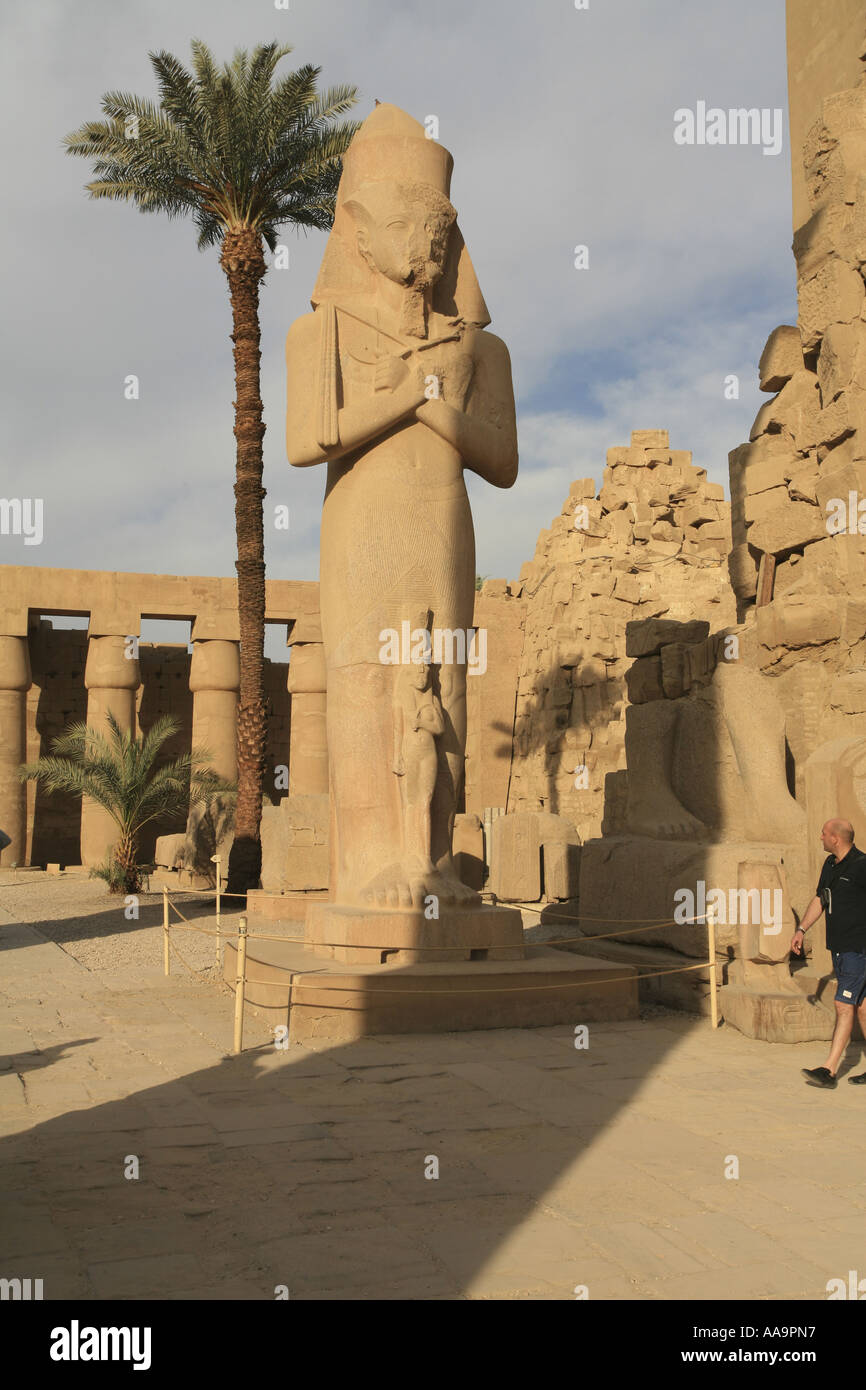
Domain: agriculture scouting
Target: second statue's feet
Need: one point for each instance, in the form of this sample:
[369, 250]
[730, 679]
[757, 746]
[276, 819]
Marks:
[664, 818]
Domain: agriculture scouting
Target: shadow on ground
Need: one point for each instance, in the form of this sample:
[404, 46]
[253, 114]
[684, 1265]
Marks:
[307, 1169]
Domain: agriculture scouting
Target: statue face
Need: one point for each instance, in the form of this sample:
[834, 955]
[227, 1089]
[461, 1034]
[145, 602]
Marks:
[404, 233]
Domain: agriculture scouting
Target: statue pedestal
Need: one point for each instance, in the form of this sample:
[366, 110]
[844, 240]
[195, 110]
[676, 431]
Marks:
[628, 882]
[379, 936]
[323, 1000]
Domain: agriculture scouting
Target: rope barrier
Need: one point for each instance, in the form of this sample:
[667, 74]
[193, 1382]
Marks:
[178, 911]
[554, 941]
[202, 931]
[506, 989]
[524, 907]
[242, 979]
[586, 917]
[193, 970]
[196, 892]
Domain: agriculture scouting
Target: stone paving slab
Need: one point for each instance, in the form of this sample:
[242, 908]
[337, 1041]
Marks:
[311, 1166]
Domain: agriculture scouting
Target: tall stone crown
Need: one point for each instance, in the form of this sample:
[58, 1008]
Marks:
[392, 146]
[389, 144]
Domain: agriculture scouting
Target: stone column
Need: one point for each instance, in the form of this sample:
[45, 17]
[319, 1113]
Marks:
[214, 679]
[308, 740]
[14, 684]
[112, 677]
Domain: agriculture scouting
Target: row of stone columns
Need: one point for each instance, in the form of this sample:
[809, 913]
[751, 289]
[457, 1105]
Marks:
[112, 677]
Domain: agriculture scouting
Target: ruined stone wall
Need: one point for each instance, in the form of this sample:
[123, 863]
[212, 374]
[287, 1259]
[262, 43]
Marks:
[730, 780]
[653, 543]
[798, 486]
[823, 43]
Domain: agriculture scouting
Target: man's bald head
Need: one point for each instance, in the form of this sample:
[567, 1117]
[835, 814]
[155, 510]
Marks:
[838, 830]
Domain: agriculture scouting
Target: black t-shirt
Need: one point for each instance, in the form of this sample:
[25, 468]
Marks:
[845, 912]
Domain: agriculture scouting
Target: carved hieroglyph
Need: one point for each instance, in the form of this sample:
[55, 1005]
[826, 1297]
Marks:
[393, 384]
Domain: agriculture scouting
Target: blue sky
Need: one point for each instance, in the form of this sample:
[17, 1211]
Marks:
[561, 127]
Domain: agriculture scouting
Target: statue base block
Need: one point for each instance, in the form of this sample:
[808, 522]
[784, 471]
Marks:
[775, 1017]
[380, 936]
[324, 1000]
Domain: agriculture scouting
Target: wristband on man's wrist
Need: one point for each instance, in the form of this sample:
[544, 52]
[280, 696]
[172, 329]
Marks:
[802, 930]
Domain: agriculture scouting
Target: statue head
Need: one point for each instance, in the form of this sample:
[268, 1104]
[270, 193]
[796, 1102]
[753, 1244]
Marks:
[392, 173]
[415, 675]
[421, 675]
[402, 231]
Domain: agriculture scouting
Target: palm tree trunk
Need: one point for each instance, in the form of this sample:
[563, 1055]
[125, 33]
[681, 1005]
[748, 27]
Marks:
[242, 259]
[126, 856]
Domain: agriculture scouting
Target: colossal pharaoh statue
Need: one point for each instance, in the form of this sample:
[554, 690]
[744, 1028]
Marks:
[393, 384]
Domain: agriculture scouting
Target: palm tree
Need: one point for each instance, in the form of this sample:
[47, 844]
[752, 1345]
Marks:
[241, 157]
[121, 774]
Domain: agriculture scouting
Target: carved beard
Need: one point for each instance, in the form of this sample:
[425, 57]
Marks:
[413, 319]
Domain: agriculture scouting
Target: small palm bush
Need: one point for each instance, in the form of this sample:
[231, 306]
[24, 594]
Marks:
[121, 774]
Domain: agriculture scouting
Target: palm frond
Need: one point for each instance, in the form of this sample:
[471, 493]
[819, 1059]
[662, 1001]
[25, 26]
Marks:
[159, 733]
[119, 772]
[228, 147]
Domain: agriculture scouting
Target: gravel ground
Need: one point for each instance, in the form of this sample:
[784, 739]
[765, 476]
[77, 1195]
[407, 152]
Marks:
[85, 920]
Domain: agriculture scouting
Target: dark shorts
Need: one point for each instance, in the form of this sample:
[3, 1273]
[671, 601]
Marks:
[849, 968]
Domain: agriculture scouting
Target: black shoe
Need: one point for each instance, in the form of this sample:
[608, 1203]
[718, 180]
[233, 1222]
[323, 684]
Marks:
[819, 1076]
[858, 1080]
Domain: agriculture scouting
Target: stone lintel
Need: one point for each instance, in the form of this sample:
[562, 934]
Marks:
[222, 625]
[14, 622]
[122, 621]
[112, 594]
[306, 628]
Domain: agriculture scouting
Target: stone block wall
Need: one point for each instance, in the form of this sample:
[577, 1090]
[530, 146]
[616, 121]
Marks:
[824, 40]
[798, 486]
[652, 544]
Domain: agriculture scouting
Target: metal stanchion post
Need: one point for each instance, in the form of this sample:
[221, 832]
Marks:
[240, 986]
[714, 997]
[166, 964]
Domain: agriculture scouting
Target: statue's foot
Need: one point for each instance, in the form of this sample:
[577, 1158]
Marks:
[665, 818]
[399, 886]
[412, 885]
[451, 890]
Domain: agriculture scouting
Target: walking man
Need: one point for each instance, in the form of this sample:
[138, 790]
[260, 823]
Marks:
[841, 893]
